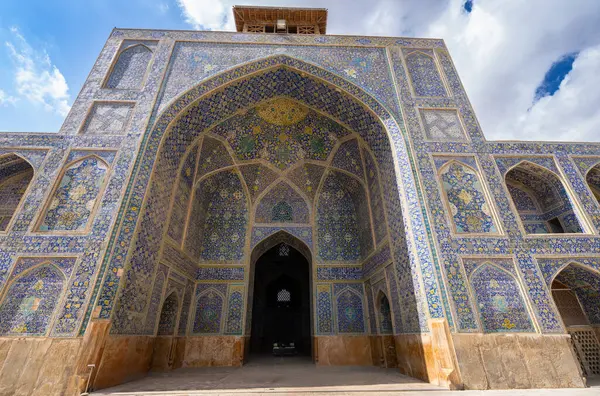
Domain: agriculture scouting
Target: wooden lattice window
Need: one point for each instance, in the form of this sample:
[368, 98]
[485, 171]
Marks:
[309, 29]
[588, 349]
[255, 28]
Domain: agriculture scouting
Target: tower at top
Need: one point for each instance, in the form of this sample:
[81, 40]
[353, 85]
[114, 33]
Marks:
[249, 19]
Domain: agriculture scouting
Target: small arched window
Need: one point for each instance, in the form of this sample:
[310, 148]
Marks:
[284, 250]
[15, 176]
[284, 295]
[541, 199]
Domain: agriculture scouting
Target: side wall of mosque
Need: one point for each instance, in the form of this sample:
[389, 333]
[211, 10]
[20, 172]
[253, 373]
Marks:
[128, 240]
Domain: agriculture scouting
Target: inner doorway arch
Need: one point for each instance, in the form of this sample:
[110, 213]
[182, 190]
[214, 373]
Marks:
[279, 297]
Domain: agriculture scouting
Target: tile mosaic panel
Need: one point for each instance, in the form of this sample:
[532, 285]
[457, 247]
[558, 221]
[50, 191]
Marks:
[235, 310]
[377, 208]
[372, 316]
[220, 223]
[155, 298]
[282, 204]
[185, 309]
[220, 273]
[324, 309]
[131, 65]
[108, 118]
[209, 309]
[307, 177]
[396, 302]
[30, 301]
[442, 125]
[182, 196]
[281, 131]
[343, 224]
[168, 315]
[347, 157]
[424, 74]
[349, 310]
[258, 178]
[260, 233]
[470, 212]
[339, 273]
[75, 196]
[499, 300]
[214, 155]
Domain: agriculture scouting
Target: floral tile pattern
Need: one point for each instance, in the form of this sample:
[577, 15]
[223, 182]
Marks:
[388, 180]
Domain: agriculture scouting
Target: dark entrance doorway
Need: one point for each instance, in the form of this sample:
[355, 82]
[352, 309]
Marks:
[281, 301]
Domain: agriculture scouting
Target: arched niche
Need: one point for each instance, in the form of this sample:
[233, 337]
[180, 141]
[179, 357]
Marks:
[593, 180]
[576, 293]
[282, 204]
[468, 206]
[499, 300]
[202, 108]
[167, 322]
[208, 317]
[30, 301]
[424, 73]
[15, 176]
[543, 203]
[130, 67]
[281, 264]
[384, 311]
[75, 195]
[343, 224]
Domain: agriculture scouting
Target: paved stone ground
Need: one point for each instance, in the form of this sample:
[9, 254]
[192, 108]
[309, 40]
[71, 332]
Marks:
[298, 376]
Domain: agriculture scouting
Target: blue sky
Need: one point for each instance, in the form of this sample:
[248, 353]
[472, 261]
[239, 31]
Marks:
[530, 68]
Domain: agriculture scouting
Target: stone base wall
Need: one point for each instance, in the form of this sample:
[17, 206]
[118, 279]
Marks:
[207, 351]
[124, 359]
[516, 361]
[343, 351]
[38, 366]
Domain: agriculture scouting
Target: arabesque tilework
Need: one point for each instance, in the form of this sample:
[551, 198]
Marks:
[364, 151]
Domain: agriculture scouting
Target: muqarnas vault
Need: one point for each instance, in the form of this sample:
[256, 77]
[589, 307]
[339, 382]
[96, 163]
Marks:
[211, 193]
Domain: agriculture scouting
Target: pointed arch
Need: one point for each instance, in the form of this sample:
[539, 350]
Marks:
[386, 325]
[348, 303]
[576, 292]
[219, 234]
[130, 67]
[190, 114]
[541, 200]
[275, 239]
[208, 316]
[30, 301]
[424, 74]
[283, 203]
[499, 300]
[16, 173]
[468, 205]
[169, 312]
[342, 219]
[75, 195]
[592, 178]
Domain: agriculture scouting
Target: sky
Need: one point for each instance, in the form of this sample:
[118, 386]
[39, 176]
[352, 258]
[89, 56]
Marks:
[531, 68]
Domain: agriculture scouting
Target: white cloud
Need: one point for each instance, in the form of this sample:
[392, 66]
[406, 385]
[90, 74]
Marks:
[208, 14]
[6, 99]
[502, 50]
[36, 78]
[163, 8]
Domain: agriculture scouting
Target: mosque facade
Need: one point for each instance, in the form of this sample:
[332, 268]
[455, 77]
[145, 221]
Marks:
[211, 194]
